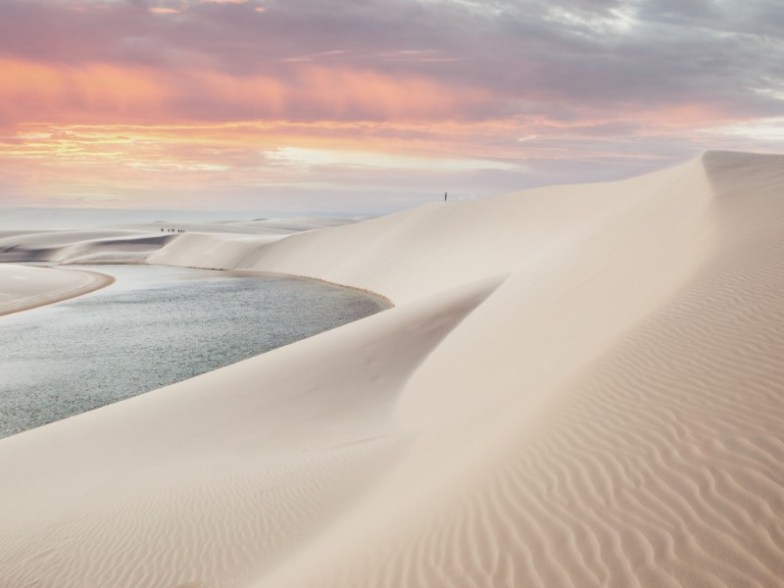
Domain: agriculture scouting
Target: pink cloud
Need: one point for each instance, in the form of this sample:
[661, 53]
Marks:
[97, 92]
[195, 82]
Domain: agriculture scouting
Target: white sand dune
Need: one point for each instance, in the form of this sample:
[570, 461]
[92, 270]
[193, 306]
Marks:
[96, 246]
[134, 243]
[23, 287]
[579, 386]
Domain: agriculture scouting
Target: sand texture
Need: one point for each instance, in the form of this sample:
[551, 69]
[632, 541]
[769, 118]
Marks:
[578, 386]
[23, 287]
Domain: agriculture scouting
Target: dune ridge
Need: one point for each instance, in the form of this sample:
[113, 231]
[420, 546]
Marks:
[578, 386]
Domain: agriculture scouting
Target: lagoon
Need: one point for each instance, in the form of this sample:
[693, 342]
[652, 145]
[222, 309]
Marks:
[154, 326]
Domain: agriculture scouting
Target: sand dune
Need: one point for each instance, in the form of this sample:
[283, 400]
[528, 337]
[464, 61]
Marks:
[135, 243]
[209, 486]
[98, 246]
[579, 386]
[23, 287]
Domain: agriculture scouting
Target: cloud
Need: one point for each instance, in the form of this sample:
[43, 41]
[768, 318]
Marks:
[623, 85]
[526, 54]
[98, 92]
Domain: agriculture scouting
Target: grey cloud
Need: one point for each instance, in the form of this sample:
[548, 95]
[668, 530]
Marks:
[719, 52]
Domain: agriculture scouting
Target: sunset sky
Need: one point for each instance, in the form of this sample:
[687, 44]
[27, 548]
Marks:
[371, 105]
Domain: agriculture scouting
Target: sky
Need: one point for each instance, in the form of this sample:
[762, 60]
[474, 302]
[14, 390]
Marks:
[370, 106]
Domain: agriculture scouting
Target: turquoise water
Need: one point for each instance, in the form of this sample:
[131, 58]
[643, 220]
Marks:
[152, 327]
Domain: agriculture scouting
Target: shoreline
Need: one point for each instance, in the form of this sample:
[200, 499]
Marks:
[94, 281]
[250, 272]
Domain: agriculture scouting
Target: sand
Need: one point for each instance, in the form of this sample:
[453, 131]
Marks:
[578, 386]
[23, 287]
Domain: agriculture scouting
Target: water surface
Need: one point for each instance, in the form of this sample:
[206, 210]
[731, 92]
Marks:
[152, 327]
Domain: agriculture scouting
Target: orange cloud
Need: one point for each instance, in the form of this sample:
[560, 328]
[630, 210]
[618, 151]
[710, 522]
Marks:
[95, 92]
[38, 92]
[110, 160]
[343, 92]
[107, 131]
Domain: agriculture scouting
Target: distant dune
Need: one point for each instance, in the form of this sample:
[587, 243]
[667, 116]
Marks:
[578, 386]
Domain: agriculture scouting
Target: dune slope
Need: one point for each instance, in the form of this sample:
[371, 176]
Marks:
[210, 481]
[579, 386]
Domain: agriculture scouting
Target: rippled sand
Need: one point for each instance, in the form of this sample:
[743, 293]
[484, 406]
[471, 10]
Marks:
[578, 386]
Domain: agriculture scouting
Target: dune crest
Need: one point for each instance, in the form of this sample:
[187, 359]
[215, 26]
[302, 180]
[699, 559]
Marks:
[579, 386]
